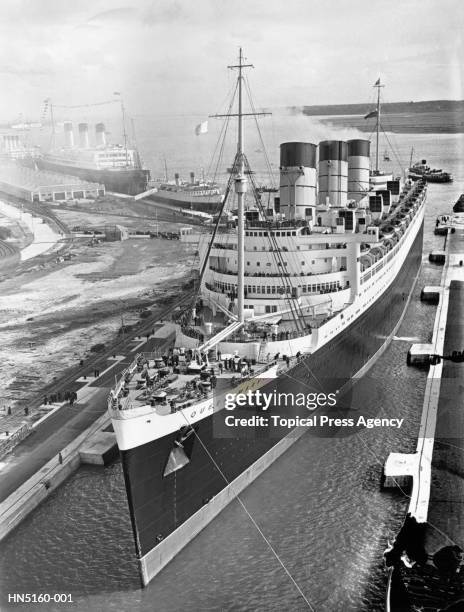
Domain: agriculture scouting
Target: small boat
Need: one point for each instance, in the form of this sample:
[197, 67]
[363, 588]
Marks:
[386, 156]
[422, 171]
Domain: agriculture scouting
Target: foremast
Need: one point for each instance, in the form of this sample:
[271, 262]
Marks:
[241, 185]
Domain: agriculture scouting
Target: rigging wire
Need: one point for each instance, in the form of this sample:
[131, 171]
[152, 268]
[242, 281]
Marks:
[250, 516]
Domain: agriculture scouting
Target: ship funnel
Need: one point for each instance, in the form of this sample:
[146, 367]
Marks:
[176, 177]
[100, 135]
[358, 168]
[298, 180]
[68, 134]
[192, 177]
[333, 172]
[83, 135]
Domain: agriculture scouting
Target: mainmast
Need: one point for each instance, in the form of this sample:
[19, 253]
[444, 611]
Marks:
[378, 85]
[123, 114]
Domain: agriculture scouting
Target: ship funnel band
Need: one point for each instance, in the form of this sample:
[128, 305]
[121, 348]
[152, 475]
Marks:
[100, 127]
[298, 154]
[83, 127]
[359, 148]
[333, 150]
[67, 126]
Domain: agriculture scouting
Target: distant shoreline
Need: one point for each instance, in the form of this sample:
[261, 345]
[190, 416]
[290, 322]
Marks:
[425, 106]
[403, 123]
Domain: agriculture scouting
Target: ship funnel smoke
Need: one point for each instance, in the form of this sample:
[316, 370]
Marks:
[68, 134]
[100, 135]
[83, 135]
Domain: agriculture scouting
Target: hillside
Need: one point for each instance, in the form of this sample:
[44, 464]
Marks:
[426, 106]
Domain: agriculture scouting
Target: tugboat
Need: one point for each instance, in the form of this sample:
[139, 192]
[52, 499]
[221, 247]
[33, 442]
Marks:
[422, 171]
[292, 302]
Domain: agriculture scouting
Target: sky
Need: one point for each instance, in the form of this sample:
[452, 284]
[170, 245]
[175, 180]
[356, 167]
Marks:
[170, 57]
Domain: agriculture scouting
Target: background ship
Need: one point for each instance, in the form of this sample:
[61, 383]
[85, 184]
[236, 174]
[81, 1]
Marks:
[197, 194]
[288, 302]
[118, 167]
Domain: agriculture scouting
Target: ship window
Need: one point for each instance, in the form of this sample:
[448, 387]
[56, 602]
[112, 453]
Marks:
[254, 248]
[258, 263]
[248, 263]
[273, 289]
[302, 263]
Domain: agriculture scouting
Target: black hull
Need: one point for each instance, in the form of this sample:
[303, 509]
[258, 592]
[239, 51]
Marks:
[206, 205]
[443, 178]
[131, 182]
[159, 505]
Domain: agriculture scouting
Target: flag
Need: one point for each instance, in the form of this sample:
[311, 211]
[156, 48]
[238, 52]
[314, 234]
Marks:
[377, 82]
[201, 128]
[371, 114]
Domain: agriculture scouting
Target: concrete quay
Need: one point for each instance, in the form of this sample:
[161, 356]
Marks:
[67, 436]
[444, 393]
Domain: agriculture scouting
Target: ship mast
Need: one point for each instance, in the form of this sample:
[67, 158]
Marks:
[240, 189]
[123, 113]
[240, 186]
[377, 130]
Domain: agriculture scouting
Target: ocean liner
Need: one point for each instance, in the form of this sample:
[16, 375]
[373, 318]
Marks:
[197, 194]
[117, 167]
[295, 300]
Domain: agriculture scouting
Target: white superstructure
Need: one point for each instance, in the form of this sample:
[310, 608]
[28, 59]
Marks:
[101, 156]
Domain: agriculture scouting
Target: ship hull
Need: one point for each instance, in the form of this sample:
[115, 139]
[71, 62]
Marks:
[131, 181]
[168, 511]
[438, 178]
[209, 205]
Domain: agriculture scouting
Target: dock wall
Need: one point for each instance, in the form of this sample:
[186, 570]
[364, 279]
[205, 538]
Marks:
[25, 499]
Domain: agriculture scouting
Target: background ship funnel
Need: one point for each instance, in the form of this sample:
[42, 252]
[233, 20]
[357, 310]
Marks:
[100, 135]
[68, 134]
[358, 168]
[83, 135]
[298, 180]
[333, 172]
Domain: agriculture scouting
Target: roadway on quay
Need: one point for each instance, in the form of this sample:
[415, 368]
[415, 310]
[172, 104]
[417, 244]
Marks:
[64, 425]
